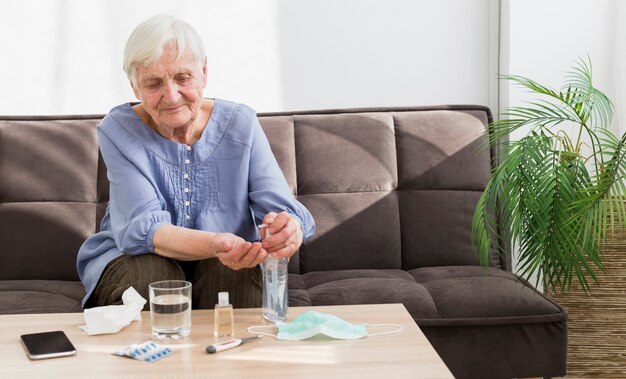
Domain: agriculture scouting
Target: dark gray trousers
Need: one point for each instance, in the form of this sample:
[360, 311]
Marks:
[208, 277]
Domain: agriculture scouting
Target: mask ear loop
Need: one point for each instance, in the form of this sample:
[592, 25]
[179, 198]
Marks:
[252, 331]
[399, 328]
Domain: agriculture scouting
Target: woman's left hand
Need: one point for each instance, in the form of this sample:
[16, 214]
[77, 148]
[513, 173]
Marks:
[285, 235]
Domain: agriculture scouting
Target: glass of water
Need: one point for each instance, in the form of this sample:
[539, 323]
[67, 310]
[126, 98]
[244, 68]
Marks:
[170, 308]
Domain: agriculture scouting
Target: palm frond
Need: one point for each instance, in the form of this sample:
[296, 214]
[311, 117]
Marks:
[594, 104]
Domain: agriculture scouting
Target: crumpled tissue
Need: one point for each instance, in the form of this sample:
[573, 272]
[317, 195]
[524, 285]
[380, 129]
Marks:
[112, 318]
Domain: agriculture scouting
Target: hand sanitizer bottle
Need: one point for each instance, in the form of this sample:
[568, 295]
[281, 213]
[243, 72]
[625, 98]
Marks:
[224, 321]
[275, 295]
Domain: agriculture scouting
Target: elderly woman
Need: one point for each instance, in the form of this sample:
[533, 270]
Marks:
[190, 178]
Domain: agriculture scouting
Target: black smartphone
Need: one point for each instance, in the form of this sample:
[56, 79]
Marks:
[47, 345]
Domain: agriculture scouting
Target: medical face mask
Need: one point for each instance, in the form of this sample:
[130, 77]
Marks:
[312, 323]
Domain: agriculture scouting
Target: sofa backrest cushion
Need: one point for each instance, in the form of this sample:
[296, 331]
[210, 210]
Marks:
[49, 194]
[390, 188]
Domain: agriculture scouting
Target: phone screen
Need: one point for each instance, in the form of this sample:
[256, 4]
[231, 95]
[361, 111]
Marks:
[47, 345]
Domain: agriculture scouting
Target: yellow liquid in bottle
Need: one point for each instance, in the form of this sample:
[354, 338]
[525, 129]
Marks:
[224, 323]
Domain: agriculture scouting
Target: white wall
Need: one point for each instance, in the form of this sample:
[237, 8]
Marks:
[64, 56]
[542, 39]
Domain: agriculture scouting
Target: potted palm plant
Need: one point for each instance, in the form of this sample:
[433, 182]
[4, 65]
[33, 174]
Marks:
[556, 191]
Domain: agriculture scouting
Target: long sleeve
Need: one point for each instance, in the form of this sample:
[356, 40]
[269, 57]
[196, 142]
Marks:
[135, 208]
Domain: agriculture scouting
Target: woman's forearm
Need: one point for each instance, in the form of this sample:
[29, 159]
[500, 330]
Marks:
[183, 244]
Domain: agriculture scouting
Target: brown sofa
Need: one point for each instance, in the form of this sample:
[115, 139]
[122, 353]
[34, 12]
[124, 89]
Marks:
[392, 191]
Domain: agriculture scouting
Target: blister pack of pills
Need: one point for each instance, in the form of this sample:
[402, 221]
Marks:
[148, 351]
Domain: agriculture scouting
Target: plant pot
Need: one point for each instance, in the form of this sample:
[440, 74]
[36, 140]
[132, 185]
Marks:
[597, 320]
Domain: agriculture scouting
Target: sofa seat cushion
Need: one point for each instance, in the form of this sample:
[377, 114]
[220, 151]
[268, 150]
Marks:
[361, 287]
[40, 296]
[464, 295]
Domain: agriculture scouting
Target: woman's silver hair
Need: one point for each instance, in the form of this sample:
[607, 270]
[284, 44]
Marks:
[145, 44]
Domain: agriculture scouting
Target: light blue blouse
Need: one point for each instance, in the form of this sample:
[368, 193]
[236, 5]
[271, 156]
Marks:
[225, 182]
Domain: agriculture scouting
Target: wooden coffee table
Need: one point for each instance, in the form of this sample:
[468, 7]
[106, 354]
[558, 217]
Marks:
[405, 354]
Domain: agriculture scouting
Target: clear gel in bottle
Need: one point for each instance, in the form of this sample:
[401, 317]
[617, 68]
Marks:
[224, 321]
[275, 295]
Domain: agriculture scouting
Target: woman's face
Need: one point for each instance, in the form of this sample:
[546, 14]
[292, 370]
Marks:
[170, 90]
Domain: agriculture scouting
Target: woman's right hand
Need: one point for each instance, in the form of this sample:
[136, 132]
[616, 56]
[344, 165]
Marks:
[234, 252]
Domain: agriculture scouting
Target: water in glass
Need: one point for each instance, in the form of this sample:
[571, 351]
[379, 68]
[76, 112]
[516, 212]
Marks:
[170, 310]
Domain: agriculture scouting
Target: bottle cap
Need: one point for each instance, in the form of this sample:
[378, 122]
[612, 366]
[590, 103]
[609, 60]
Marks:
[222, 298]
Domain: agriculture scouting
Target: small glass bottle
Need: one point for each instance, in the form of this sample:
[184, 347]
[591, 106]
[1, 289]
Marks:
[224, 321]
